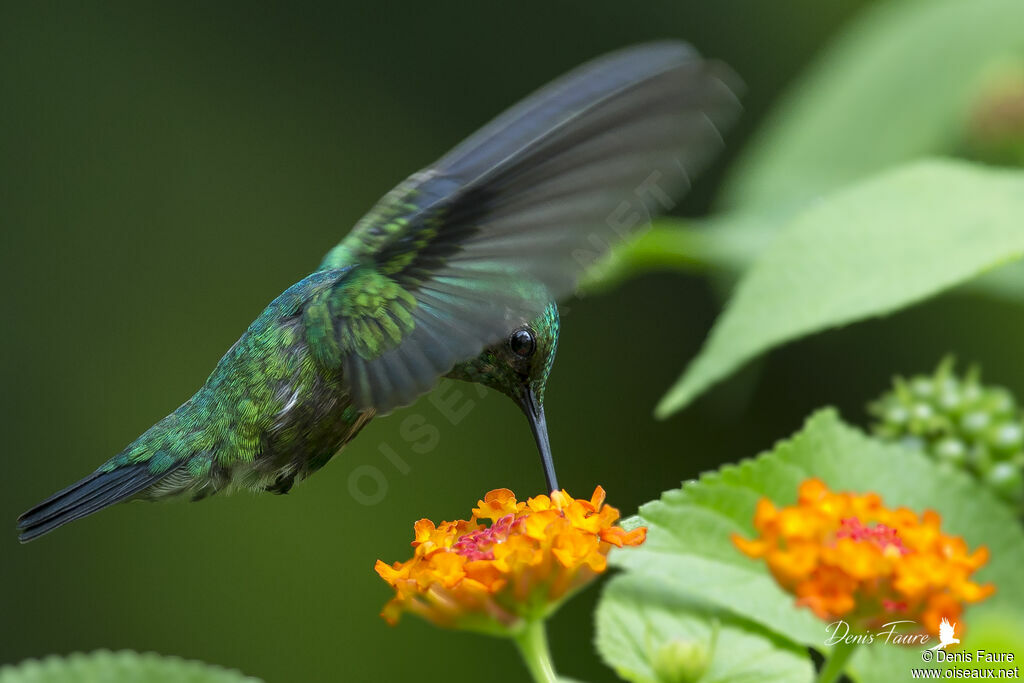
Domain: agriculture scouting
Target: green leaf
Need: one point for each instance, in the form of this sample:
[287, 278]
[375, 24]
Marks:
[896, 85]
[689, 552]
[650, 634]
[725, 245]
[866, 251]
[118, 667]
[901, 82]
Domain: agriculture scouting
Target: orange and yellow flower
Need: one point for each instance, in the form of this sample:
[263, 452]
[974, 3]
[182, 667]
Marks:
[491, 577]
[848, 556]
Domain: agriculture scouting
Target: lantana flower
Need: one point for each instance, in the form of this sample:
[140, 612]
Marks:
[506, 577]
[847, 556]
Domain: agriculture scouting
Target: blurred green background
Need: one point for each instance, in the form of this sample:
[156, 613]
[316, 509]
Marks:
[166, 169]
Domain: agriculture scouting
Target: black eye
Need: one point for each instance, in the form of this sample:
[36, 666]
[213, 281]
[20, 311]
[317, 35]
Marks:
[522, 343]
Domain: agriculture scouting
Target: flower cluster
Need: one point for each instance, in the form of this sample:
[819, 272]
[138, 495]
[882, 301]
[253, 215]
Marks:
[848, 556]
[960, 422]
[533, 554]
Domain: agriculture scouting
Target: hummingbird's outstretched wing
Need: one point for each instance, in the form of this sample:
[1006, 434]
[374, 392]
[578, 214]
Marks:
[511, 217]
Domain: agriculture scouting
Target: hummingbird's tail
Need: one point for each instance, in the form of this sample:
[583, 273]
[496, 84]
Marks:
[97, 491]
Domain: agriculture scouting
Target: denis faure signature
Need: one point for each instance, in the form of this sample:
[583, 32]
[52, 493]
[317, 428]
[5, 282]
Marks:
[839, 632]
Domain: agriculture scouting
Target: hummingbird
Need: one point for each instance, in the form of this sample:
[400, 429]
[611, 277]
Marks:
[455, 272]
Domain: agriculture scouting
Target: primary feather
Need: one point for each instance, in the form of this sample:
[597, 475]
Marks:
[533, 197]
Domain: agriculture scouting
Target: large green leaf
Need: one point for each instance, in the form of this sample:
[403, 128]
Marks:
[724, 245]
[118, 667]
[647, 633]
[689, 553]
[896, 85]
[874, 248]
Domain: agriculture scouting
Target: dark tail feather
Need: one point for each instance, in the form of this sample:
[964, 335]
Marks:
[97, 491]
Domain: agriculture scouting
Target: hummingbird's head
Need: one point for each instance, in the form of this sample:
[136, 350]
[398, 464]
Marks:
[518, 366]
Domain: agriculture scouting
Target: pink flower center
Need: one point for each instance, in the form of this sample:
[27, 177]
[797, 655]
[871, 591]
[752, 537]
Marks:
[880, 535]
[894, 605]
[479, 544]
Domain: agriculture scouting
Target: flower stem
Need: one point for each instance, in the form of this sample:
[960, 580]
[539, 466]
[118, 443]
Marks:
[835, 662]
[532, 642]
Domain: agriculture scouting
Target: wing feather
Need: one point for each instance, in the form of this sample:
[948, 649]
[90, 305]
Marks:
[511, 217]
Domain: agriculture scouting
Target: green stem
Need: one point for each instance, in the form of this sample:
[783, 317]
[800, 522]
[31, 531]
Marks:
[835, 663]
[681, 248]
[532, 642]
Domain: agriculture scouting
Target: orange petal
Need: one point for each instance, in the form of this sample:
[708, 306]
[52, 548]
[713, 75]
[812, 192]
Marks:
[751, 548]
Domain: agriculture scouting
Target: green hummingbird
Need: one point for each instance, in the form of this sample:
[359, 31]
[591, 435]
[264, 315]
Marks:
[453, 273]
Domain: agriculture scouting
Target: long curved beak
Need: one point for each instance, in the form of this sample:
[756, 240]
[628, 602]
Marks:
[535, 414]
